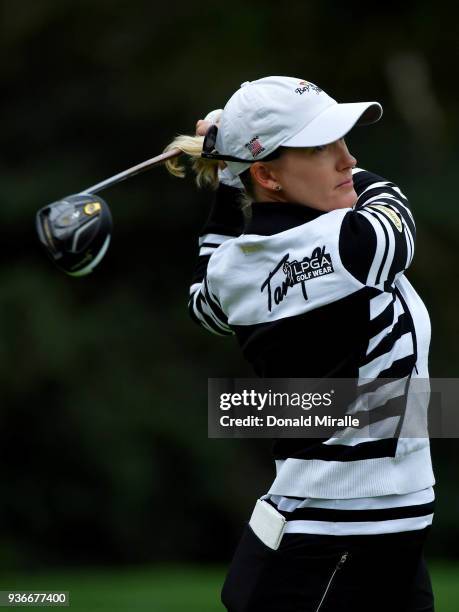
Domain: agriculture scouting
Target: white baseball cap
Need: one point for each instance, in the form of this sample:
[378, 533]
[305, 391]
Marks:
[283, 111]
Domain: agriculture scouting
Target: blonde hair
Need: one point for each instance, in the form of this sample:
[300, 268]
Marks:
[206, 170]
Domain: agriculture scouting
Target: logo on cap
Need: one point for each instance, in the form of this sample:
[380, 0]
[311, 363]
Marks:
[307, 86]
[254, 146]
[91, 207]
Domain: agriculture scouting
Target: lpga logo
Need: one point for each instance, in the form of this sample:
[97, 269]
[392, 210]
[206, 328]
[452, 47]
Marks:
[297, 272]
[309, 267]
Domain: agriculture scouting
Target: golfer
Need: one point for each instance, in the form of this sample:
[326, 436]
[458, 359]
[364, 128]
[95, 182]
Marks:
[343, 526]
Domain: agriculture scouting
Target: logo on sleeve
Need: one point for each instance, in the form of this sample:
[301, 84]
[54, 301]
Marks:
[287, 274]
[390, 213]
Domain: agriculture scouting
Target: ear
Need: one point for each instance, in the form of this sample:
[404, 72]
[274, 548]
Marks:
[264, 175]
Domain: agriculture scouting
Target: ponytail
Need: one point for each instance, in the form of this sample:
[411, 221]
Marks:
[206, 170]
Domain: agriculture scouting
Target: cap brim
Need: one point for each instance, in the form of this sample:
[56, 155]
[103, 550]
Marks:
[334, 122]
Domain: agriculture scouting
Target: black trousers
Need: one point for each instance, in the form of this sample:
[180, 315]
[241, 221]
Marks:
[316, 573]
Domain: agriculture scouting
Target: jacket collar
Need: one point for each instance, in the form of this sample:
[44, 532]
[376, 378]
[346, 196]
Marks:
[268, 218]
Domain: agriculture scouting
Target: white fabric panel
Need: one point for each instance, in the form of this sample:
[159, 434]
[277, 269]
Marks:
[398, 310]
[207, 250]
[424, 496]
[401, 348]
[381, 430]
[421, 320]
[410, 247]
[379, 303]
[261, 258]
[214, 238]
[361, 478]
[368, 401]
[380, 247]
[358, 528]
[391, 246]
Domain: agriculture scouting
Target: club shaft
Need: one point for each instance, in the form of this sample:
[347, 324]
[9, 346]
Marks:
[122, 176]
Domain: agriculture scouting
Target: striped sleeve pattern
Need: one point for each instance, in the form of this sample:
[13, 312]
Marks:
[377, 237]
[391, 351]
[225, 222]
[206, 311]
[356, 516]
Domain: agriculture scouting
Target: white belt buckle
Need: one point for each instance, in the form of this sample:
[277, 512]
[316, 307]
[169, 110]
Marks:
[268, 524]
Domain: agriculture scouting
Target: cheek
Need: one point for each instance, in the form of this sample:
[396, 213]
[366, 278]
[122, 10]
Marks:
[313, 182]
[346, 199]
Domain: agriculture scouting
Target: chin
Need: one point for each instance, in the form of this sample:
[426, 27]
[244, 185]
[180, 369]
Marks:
[347, 200]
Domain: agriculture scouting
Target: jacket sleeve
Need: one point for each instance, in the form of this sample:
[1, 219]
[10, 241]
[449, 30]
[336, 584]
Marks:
[225, 221]
[377, 237]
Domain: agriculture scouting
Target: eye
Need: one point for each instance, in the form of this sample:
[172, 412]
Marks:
[319, 148]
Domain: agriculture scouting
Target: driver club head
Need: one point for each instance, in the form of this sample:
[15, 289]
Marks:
[75, 232]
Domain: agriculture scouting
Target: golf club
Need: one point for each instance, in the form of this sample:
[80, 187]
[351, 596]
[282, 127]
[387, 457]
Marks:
[138, 169]
[76, 230]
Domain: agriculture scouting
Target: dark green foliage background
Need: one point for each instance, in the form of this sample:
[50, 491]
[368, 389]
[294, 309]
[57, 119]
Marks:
[104, 449]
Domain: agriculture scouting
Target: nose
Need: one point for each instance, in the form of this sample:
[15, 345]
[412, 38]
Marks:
[345, 159]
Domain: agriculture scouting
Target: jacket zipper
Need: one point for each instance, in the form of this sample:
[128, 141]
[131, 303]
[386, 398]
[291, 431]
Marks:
[339, 565]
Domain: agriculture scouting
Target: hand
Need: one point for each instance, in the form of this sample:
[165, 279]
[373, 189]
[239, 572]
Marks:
[211, 118]
[203, 125]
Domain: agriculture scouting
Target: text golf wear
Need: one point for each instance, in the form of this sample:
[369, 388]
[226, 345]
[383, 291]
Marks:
[313, 294]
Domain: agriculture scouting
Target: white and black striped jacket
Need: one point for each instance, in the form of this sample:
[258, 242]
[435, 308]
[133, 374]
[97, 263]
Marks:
[313, 294]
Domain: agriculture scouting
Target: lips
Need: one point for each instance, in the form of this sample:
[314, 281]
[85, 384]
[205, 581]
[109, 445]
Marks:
[346, 182]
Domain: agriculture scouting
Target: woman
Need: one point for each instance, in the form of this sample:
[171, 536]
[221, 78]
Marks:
[344, 522]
